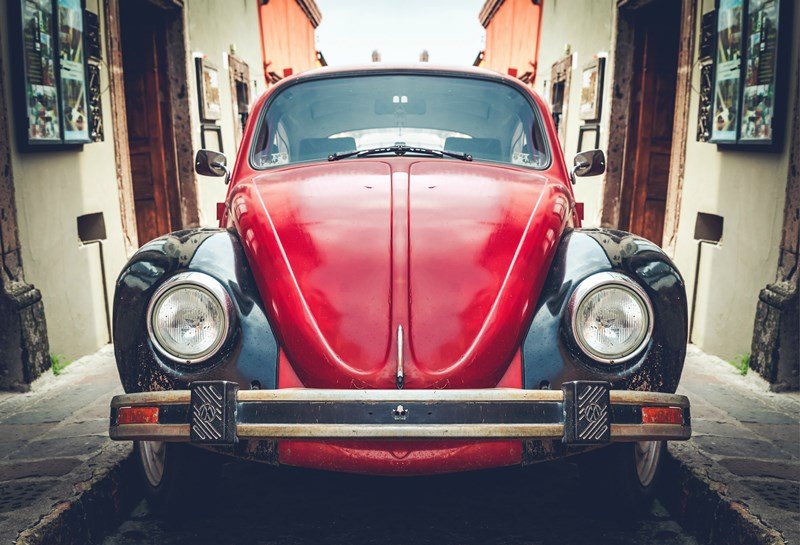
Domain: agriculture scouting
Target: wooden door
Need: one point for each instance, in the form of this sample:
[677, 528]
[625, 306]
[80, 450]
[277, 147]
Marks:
[651, 120]
[150, 137]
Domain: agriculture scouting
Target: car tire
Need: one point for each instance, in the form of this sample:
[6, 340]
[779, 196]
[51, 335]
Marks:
[177, 479]
[623, 478]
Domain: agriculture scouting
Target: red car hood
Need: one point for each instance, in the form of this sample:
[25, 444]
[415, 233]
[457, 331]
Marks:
[346, 253]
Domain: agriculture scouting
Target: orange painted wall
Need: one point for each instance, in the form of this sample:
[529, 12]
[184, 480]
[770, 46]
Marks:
[287, 37]
[512, 37]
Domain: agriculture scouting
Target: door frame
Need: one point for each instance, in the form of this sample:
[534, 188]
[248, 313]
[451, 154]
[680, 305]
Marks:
[180, 105]
[623, 56]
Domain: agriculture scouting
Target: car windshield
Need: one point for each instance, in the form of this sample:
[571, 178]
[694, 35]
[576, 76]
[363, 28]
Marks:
[319, 119]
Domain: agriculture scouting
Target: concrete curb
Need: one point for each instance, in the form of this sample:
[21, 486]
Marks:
[698, 498]
[97, 505]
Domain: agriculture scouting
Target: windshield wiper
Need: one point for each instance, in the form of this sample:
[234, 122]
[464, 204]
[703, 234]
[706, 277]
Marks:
[400, 150]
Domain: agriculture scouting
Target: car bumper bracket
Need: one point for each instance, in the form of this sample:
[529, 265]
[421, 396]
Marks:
[587, 413]
[212, 412]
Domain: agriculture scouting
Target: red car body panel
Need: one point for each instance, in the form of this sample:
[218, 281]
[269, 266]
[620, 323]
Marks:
[454, 252]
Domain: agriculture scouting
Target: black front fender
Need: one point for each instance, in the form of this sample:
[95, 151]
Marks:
[550, 354]
[250, 355]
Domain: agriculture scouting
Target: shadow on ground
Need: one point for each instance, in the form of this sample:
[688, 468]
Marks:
[263, 505]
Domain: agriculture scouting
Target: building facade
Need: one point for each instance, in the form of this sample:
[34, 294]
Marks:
[104, 104]
[512, 37]
[688, 99]
[288, 37]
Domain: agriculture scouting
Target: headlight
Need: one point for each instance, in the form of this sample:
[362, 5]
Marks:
[189, 317]
[611, 317]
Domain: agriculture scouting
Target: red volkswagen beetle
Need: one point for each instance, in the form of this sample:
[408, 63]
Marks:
[400, 284]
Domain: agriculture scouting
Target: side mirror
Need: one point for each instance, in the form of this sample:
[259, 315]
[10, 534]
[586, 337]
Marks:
[588, 163]
[211, 163]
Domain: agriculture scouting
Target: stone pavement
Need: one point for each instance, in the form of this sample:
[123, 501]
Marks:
[535, 505]
[745, 453]
[63, 482]
[55, 451]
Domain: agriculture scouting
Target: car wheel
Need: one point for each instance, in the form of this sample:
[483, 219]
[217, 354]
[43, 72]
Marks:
[177, 478]
[623, 478]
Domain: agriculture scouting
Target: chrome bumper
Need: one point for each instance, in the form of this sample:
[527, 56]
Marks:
[582, 413]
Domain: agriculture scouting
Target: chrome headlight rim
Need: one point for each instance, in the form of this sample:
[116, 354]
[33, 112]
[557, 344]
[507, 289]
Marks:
[211, 287]
[592, 285]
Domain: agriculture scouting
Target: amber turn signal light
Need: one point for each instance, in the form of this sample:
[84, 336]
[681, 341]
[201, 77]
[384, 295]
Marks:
[662, 415]
[137, 415]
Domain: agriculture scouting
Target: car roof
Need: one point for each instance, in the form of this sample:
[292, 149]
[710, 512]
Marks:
[389, 67]
[378, 68]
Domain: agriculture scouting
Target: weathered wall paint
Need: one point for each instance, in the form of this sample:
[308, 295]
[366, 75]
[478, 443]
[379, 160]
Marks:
[585, 27]
[748, 189]
[214, 27]
[512, 37]
[289, 41]
[53, 188]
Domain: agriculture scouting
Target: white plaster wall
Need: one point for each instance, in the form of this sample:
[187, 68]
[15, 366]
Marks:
[214, 27]
[52, 189]
[586, 27]
[748, 190]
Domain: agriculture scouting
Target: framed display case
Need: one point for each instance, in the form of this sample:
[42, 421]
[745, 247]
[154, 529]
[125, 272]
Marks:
[760, 86]
[588, 137]
[749, 89]
[72, 72]
[208, 90]
[592, 90]
[37, 105]
[50, 73]
[211, 137]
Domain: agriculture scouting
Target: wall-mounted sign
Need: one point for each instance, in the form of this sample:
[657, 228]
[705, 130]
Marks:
[96, 132]
[91, 36]
[588, 137]
[761, 39]
[208, 90]
[592, 90]
[708, 36]
[748, 91]
[43, 120]
[72, 72]
[49, 72]
[730, 17]
[704, 117]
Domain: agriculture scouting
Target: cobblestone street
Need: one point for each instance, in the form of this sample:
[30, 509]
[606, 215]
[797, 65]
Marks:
[55, 457]
[536, 505]
[57, 467]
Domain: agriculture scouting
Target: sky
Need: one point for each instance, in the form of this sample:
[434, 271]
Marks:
[400, 30]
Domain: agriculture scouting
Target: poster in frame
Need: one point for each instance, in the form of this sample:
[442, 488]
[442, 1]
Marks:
[208, 90]
[761, 90]
[211, 137]
[32, 26]
[588, 137]
[749, 108]
[72, 72]
[725, 109]
[592, 90]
